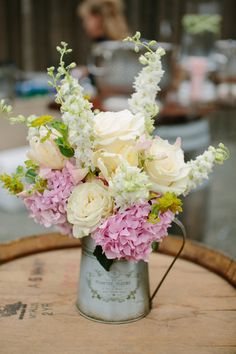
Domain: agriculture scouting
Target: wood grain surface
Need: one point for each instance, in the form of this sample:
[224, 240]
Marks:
[193, 251]
[194, 311]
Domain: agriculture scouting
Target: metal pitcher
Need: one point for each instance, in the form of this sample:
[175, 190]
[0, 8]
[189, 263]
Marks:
[119, 296]
[114, 64]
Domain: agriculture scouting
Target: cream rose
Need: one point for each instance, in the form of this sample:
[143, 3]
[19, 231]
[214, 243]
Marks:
[116, 134]
[87, 205]
[113, 128]
[166, 167]
[107, 162]
[46, 153]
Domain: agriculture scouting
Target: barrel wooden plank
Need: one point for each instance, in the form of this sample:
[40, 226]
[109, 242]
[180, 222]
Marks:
[194, 252]
[194, 311]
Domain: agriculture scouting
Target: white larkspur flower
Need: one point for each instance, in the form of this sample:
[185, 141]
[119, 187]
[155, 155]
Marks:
[78, 116]
[128, 186]
[203, 165]
[146, 84]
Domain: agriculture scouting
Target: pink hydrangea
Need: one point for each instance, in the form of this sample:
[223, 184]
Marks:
[49, 208]
[128, 234]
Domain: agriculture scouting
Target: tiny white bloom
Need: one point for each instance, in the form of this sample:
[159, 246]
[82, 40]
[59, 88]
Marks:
[202, 166]
[129, 185]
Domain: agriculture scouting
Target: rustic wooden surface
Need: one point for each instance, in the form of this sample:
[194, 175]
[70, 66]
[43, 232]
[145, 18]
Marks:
[194, 311]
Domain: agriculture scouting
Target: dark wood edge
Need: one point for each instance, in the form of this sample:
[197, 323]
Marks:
[202, 255]
[215, 261]
[35, 244]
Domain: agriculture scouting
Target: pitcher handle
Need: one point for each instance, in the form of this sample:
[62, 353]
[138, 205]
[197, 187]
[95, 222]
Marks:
[184, 235]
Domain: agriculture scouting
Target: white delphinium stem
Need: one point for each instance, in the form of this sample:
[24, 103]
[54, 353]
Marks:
[77, 114]
[146, 84]
[76, 110]
[129, 185]
[6, 110]
[203, 165]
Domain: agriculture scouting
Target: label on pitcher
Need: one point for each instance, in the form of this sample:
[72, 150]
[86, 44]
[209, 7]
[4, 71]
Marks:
[115, 286]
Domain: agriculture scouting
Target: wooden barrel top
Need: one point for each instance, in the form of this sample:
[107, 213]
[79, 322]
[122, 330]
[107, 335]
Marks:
[194, 311]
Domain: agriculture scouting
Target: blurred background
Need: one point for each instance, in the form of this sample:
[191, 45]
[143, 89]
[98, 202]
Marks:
[197, 101]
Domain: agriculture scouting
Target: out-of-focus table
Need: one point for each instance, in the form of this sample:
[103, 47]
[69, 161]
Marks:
[15, 135]
[193, 313]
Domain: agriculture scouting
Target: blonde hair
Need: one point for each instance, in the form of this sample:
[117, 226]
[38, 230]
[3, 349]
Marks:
[112, 14]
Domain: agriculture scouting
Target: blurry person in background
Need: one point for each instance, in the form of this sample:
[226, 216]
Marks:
[103, 19]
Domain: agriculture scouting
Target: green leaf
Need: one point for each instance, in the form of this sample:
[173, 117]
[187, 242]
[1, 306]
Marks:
[66, 151]
[12, 183]
[40, 184]
[30, 175]
[60, 127]
[169, 201]
[31, 164]
[20, 170]
[42, 120]
[155, 246]
[102, 259]
[153, 218]
[59, 141]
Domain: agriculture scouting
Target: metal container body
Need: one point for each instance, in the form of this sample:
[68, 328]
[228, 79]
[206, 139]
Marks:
[118, 296]
[114, 65]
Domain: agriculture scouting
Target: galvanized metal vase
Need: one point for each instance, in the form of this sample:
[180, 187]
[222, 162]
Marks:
[119, 296]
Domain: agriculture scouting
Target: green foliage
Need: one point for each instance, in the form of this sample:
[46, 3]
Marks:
[155, 246]
[40, 185]
[62, 142]
[30, 175]
[66, 151]
[6, 110]
[153, 217]
[31, 164]
[56, 75]
[20, 171]
[18, 119]
[60, 127]
[12, 183]
[200, 23]
[221, 154]
[15, 183]
[4, 107]
[102, 259]
[168, 201]
[136, 39]
[64, 147]
[42, 120]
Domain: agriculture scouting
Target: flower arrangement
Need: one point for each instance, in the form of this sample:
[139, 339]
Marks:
[102, 173]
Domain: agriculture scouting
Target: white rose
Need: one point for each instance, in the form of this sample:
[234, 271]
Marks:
[112, 128]
[166, 167]
[116, 134]
[107, 162]
[46, 153]
[88, 204]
